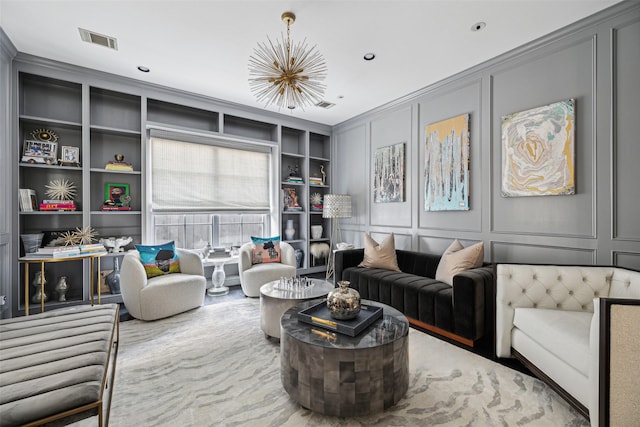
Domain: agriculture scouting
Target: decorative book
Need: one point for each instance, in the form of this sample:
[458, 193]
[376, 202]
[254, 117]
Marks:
[319, 315]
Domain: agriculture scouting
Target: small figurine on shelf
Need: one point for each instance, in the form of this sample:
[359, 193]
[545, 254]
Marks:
[294, 175]
[119, 164]
[115, 245]
[324, 175]
[61, 288]
[38, 282]
[291, 200]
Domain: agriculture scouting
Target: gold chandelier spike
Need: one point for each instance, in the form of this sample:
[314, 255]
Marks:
[287, 74]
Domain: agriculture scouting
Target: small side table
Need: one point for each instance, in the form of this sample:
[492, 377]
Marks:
[274, 302]
[217, 278]
[95, 278]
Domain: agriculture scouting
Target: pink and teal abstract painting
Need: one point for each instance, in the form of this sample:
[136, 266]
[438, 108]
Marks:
[446, 165]
[538, 151]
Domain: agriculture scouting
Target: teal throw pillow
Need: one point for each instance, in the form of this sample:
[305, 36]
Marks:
[265, 249]
[159, 260]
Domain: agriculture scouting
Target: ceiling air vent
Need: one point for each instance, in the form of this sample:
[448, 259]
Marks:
[99, 39]
[325, 104]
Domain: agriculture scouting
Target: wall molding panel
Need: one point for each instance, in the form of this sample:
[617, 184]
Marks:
[625, 128]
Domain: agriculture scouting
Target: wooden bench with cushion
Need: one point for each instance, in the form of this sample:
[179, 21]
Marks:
[56, 366]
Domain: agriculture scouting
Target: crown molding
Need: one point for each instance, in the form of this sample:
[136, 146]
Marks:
[6, 46]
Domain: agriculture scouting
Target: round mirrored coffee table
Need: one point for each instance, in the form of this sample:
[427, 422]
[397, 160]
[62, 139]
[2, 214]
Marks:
[336, 374]
[275, 301]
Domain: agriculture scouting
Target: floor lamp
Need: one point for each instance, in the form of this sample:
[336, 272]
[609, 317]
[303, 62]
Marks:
[335, 206]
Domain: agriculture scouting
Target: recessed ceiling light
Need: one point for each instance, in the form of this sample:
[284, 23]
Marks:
[369, 56]
[143, 69]
[478, 26]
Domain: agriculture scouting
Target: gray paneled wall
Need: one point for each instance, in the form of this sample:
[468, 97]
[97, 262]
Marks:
[597, 63]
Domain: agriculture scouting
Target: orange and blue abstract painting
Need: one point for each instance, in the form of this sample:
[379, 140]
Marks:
[538, 151]
[446, 165]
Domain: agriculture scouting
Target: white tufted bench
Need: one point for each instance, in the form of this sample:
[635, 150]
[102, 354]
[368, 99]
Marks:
[545, 318]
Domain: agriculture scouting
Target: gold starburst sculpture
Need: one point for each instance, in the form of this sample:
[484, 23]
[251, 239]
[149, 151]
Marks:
[60, 189]
[286, 74]
[85, 235]
[68, 238]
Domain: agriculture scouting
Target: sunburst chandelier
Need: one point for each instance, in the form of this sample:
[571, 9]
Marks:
[286, 74]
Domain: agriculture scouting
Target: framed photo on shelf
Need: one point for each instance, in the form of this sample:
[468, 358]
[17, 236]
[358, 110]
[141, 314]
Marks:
[42, 152]
[70, 156]
[117, 195]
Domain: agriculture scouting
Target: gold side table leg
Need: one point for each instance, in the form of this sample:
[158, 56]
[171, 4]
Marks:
[42, 280]
[26, 288]
[91, 282]
[97, 282]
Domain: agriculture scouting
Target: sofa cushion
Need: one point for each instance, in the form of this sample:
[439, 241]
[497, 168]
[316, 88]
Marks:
[457, 258]
[420, 298]
[381, 255]
[159, 260]
[561, 332]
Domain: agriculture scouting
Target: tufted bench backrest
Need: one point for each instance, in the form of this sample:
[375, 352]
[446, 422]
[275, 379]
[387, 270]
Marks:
[559, 287]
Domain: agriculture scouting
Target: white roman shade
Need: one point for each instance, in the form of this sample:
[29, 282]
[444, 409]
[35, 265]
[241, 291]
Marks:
[192, 176]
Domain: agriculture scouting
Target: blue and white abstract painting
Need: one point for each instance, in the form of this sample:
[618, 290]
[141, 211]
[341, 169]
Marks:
[446, 165]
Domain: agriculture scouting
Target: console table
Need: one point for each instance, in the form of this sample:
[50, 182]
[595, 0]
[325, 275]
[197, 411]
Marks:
[27, 260]
[344, 376]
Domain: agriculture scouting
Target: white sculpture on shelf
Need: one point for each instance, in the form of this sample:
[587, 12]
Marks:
[116, 244]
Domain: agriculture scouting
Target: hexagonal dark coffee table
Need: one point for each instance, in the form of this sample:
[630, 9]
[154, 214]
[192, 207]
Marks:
[340, 375]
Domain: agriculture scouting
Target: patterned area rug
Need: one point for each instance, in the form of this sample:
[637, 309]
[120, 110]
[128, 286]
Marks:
[213, 366]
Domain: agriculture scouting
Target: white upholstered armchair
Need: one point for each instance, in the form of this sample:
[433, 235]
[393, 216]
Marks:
[253, 276]
[162, 296]
[545, 317]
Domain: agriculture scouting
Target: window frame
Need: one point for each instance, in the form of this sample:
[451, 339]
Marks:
[207, 138]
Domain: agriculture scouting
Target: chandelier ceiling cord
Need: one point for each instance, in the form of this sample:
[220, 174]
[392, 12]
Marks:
[286, 74]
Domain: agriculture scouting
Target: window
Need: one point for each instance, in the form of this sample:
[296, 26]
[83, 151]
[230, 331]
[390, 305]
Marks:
[208, 190]
[220, 230]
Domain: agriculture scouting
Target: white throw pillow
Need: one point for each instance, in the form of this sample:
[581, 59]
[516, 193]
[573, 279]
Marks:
[457, 258]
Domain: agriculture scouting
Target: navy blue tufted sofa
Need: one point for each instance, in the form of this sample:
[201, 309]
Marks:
[462, 312]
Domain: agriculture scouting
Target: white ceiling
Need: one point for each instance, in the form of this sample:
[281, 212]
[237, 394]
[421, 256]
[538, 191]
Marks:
[204, 46]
